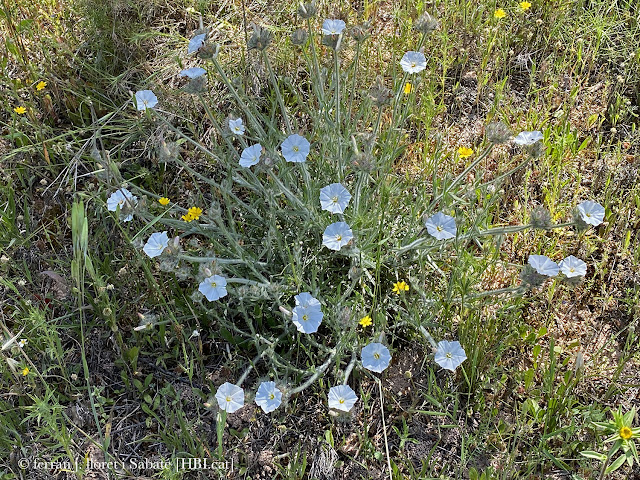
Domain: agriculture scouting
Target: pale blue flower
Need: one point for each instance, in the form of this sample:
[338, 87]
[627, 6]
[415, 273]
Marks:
[333, 27]
[449, 355]
[124, 199]
[573, 267]
[251, 155]
[528, 138]
[591, 212]
[307, 320]
[230, 397]
[413, 62]
[213, 287]
[544, 265]
[337, 235]
[156, 244]
[193, 72]
[375, 357]
[295, 148]
[196, 43]
[145, 99]
[342, 397]
[237, 126]
[441, 226]
[334, 198]
[268, 396]
[306, 300]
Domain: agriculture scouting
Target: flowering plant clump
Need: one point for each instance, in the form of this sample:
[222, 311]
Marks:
[621, 434]
[292, 237]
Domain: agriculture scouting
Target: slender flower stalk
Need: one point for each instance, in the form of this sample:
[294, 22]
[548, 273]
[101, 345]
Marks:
[276, 88]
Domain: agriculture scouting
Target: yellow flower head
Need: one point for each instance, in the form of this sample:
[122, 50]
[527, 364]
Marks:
[164, 201]
[626, 433]
[365, 321]
[20, 110]
[25, 371]
[187, 217]
[41, 85]
[465, 152]
[195, 213]
[407, 88]
[525, 5]
[400, 287]
[499, 13]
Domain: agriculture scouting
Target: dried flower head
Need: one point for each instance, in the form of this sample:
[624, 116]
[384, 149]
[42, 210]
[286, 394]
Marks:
[540, 218]
[260, 39]
[361, 32]
[426, 24]
[299, 37]
[380, 94]
[307, 10]
[498, 132]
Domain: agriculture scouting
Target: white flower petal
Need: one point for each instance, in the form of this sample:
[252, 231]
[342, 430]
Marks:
[295, 148]
[337, 235]
[449, 355]
[591, 213]
[544, 265]
[145, 99]
[156, 244]
[413, 62]
[230, 397]
[268, 397]
[441, 226]
[342, 397]
[334, 198]
[213, 287]
[573, 267]
[251, 155]
[375, 357]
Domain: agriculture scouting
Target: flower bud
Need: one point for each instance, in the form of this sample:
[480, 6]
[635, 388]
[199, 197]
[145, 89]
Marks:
[426, 24]
[299, 37]
[307, 10]
[540, 218]
[260, 39]
[498, 132]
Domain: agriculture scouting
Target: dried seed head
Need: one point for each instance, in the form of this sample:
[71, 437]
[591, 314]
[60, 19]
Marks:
[260, 39]
[307, 10]
[299, 37]
[498, 132]
[196, 85]
[426, 24]
[208, 51]
[540, 218]
[531, 278]
[536, 150]
[380, 94]
[360, 32]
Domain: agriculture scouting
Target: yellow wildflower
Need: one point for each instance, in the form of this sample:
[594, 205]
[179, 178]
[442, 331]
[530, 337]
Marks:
[20, 110]
[365, 321]
[626, 433]
[499, 13]
[525, 5]
[465, 152]
[400, 287]
[164, 201]
[41, 85]
[407, 88]
[25, 371]
[187, 217]
[195, 212]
